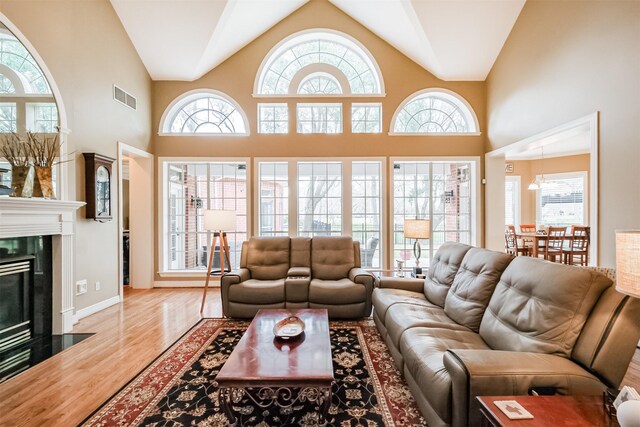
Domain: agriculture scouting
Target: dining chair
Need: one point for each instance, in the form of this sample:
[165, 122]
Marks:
[511, 245]
[527, 241]
[577, 252]
[555, 242]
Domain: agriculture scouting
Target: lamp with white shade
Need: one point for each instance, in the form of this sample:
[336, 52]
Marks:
[219, 222]
[628, 282]
[417, 229]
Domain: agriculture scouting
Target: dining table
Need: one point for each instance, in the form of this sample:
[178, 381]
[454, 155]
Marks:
[537, 237]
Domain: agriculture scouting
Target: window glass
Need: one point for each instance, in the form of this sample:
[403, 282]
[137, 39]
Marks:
[7, 117]
[319, 118]
[273, 118]
[274, 199]
[205, 113]
[15, 56]
[512, 200]
[366, 118]
[319, 84]
[434, 112]
[42, 117]
[366, 210]
[561, 200]
[191, 189]
[319, 198]
[438, 191]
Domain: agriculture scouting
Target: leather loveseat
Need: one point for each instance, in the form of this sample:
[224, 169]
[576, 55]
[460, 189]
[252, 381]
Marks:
[485, 323]
[298, 272]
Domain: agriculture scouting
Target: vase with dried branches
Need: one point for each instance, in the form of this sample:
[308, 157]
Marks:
[16, 152]
[43, 150]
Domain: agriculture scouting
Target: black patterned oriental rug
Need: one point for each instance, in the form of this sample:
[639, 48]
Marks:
[179, 388]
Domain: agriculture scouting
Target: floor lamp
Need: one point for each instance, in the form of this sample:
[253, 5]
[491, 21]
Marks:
[417, 229]
[219, 222]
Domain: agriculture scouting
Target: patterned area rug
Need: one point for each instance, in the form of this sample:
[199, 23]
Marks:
[180, 389]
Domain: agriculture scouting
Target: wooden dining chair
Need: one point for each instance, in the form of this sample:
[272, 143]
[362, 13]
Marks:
[577, 252]
[529, 242]
[511, 244]
[555, 242]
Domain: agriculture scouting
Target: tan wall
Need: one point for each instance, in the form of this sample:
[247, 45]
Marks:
[87, 50]
[527, 170]
[236, 76]
[563, 61]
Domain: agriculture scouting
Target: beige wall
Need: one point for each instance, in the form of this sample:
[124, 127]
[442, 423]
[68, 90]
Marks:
[563, 61]
[236, 76]
[87, 50]
[527, 170]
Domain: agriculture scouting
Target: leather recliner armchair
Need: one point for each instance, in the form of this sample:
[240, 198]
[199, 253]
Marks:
[298, 272]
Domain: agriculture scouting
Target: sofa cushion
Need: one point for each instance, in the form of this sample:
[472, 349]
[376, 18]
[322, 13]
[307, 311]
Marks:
[336, 292]
[423, 352]
[443, 269]
[331, 257]
[540, 306]
[385, 298]
[473, 286]
[300, 252]
[401, 317]
[268, 257]
[258, 291]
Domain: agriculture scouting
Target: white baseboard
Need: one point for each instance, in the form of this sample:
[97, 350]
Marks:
[92, 309]
[185, 284]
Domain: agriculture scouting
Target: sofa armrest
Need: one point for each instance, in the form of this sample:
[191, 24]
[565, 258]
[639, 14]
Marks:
[510, 373]
[235, 276]
[299, 272]
[403, 283]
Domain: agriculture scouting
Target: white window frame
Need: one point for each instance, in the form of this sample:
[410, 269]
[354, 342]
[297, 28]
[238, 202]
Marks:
[475, 221]
[319, 104]
[272, 105]
[367, 105]
[453, 97]
[517, 199]
[347, 208]
[163, 222]
[178, 103]
[566, 175]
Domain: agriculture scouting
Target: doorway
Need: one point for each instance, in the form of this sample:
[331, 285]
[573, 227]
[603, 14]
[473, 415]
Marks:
[135, 222]
[549, 179]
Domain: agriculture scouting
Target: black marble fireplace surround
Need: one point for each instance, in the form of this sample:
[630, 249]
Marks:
[26, 295]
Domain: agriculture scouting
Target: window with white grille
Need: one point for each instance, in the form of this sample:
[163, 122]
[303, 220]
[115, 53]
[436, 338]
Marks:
[273, 118]
[366, 118]
[562, 199]
[274, 199]
[319, 118]
[512, 200]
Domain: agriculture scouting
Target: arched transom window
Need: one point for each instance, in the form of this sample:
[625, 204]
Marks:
[204, 112]
[302, 55]
[319, 84]
[18, 70]
[434, 112]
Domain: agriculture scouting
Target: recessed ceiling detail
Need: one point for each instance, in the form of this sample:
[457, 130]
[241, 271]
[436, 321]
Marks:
[185, 39]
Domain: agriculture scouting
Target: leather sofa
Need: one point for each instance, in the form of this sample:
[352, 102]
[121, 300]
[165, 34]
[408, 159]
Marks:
[486, 323]
[298, 272]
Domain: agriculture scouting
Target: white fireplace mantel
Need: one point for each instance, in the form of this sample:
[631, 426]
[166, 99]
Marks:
[22, 217]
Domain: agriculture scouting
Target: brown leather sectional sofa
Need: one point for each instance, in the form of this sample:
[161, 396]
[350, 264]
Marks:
[299, 272]
[485, 323]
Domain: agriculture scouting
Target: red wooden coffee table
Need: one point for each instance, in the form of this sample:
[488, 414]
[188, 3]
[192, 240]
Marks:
[279, 372]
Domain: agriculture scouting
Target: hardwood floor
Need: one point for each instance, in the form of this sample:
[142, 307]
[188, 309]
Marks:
[64, 390]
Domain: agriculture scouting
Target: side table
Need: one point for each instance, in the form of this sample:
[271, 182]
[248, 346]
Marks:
[557, 411]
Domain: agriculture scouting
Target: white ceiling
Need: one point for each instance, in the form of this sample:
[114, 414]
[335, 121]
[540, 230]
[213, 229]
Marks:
[184, 39]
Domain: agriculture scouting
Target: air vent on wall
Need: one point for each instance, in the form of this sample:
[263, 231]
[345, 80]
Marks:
[125, 98]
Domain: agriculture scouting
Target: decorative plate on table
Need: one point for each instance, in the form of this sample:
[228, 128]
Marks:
[289, 327]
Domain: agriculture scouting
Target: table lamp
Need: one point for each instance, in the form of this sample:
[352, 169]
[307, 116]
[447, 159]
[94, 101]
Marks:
[628, 282]
[219, 222]
[417, 229]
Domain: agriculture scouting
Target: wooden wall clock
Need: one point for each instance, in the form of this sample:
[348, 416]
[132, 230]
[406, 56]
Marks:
[98, 177]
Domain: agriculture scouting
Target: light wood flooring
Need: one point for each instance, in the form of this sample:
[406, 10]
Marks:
[65, 389]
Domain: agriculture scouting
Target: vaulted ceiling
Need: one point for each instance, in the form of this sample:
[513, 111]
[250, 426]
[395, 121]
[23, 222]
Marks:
[185, 39]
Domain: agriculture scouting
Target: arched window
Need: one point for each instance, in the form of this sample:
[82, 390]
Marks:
[319, 84]
[15, 57]
[204, 111]
[303, 54]
[434, 111]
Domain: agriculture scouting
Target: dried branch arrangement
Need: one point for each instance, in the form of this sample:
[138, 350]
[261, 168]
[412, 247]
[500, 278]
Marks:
[43, 149]
[15, 150]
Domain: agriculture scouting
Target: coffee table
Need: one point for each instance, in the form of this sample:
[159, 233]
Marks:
[279, 372]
